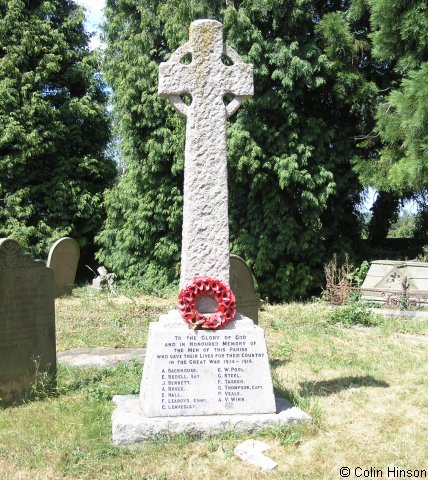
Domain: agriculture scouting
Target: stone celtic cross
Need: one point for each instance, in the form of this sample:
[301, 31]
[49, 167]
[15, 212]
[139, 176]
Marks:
[207, 80]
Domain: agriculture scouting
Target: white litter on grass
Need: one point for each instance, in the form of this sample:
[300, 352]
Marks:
[251, 451]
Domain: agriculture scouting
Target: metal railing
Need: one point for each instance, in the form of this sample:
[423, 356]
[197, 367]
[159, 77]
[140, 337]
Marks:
[404, 299]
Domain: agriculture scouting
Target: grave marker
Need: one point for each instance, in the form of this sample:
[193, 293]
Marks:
[242, 285]
[386, 278]
[27, 320]
[63, 259]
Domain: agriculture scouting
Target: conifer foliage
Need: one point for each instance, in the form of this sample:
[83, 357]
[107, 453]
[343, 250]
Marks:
[400, 38]
[400, 166]
[53, 126]
[292, 190]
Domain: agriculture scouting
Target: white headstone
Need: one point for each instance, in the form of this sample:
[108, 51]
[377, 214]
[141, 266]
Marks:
[205, 243]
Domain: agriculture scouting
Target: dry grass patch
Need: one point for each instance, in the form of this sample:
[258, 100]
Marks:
[370, 389]
[90, 318]
[11, 472]
[366, 389]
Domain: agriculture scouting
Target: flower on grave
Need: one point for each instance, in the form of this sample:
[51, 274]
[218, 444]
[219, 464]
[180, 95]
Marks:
[209, 287]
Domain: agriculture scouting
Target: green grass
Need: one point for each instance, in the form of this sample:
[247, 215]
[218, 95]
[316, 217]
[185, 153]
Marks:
[366, 389]
[90, 319]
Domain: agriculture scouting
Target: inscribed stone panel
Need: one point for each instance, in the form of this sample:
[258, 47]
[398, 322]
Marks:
[27, 321]
[206, 372]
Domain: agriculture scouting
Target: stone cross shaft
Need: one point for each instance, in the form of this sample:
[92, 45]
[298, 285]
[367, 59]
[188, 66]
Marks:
[206, 79]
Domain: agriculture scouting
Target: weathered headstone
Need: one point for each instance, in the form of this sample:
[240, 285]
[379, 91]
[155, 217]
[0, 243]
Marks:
[242, 285]
[104, 279]
[63, 259]
[215, 378]
[27, 321]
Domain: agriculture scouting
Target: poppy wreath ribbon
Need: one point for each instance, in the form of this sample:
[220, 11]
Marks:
[205, 286]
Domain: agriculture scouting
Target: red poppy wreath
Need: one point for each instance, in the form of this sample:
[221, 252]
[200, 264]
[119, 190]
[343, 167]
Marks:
[205, 286]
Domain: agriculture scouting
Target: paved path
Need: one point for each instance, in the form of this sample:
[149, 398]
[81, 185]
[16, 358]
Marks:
[413, 338]
[99, 357]
[422, 314]
[407, 337]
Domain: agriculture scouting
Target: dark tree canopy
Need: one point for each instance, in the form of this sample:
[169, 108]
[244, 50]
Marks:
[53, 126]
[292, 191]
[400, 138]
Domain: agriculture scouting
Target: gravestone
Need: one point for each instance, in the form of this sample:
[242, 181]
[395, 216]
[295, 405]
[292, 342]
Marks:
[27, 320]
[242, 284]
[389, 275]
[203, 380]
[63, 259]
[104, 279]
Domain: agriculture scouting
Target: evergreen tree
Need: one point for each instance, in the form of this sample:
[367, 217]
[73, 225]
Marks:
[53, 126]
[400, 41]
[291, 188]
[385, 212]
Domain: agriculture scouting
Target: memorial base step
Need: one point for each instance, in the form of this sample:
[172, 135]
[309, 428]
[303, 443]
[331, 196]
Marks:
[130, 426]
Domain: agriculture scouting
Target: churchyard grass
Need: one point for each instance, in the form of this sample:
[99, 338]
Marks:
[117, 319]
[365, 387]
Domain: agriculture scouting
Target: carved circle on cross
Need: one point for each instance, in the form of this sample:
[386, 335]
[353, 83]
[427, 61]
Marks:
[186, 50]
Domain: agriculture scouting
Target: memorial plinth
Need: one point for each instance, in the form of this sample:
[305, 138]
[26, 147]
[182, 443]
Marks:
[206, 372]
[202, 382]
[130, 426]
